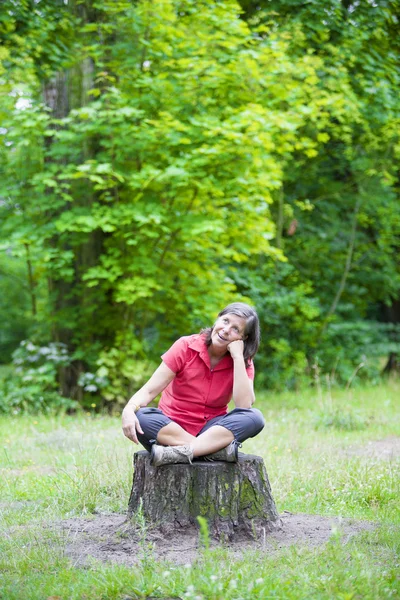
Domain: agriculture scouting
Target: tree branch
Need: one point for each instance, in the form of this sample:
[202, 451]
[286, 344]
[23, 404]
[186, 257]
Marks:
[31, 279]
[346, 271]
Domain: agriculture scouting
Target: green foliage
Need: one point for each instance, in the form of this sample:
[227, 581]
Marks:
[32, 386]
[337, 214]
[161, 159]
[204, 533]
[15, 306]
[118, 375]
[355, 349]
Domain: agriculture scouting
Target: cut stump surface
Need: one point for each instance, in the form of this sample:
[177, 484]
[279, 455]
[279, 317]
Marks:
[233, 497]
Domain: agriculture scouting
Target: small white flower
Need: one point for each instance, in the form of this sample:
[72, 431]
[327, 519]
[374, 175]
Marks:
[44, 350]
[166, 573]
[90, 388]
[213, 578]
[23, 103]
[259, 580]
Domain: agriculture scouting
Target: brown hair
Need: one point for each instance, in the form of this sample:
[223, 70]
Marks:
[251, 332]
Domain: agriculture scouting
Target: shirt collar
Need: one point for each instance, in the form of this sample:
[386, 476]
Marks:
[198, 343]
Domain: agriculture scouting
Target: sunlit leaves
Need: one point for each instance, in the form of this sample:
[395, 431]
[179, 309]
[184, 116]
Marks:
[182, 156]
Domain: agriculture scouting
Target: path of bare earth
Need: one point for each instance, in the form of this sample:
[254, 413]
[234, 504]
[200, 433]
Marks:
[113, 538]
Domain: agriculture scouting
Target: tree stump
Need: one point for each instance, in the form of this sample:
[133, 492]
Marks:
[233, 497]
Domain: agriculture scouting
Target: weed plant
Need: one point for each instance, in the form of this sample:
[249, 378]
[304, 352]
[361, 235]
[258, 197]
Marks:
[58, 467]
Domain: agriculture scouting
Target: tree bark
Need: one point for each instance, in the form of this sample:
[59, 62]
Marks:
[69, 89]
[391, 314]
[31, 280]
[235, 498]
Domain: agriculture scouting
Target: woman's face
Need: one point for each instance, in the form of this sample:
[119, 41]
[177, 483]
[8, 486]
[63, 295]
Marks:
[227, 329]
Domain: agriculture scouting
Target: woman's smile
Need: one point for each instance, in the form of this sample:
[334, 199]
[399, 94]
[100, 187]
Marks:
[228, 328]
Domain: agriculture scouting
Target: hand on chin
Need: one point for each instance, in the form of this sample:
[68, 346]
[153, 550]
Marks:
[236, 348]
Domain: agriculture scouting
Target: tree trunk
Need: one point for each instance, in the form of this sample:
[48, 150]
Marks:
[67, 90]
[235, 498]
[391, 314]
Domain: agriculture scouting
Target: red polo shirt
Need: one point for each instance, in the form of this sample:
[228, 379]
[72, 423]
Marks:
[197, 393]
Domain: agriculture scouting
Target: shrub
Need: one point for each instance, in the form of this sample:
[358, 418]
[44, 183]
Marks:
[32, 385]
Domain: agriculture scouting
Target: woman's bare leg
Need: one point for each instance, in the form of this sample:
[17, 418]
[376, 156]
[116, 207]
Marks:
[174, 435]
[212, 440]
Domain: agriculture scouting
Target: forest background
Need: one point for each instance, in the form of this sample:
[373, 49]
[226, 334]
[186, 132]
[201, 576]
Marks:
[160, 159]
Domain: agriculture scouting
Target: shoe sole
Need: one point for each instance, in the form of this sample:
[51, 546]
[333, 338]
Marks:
[152, 455]
[236, 453]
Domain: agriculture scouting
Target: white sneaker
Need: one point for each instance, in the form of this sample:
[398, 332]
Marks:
[168, 455]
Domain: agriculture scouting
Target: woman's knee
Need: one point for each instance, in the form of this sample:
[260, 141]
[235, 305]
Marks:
[250, 422]
[151, 420]
[258, 419]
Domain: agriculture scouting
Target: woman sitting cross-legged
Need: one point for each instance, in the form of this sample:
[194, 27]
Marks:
[198, 376]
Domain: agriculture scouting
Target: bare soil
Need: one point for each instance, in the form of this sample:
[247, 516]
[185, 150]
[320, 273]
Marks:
[386, 449]
[114, 538]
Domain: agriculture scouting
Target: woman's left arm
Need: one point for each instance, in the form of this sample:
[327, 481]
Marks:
[243, 391]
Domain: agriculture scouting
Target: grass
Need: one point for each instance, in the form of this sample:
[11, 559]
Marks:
[65, 466]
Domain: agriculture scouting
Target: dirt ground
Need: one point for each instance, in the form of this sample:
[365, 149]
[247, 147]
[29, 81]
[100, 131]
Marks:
[113, 537]
[386, 449]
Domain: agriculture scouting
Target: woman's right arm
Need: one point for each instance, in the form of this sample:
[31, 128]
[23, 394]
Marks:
[155, 385]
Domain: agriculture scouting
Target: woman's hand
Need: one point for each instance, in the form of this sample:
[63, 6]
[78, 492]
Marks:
[157, 382]
[130, 424]
[236, 349]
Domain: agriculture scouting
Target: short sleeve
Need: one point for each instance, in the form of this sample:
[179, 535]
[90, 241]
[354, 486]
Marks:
[175, 357]
[250, 371]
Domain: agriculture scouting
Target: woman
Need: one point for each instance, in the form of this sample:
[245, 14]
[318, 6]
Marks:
[197, 377]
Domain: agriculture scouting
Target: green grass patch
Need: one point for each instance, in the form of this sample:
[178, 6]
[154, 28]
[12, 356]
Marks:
[64, 466]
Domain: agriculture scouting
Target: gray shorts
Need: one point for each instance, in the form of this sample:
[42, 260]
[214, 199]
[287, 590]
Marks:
[244, 423]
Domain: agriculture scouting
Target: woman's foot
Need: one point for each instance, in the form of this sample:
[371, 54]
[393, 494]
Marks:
[168, 455]
[228, 454]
